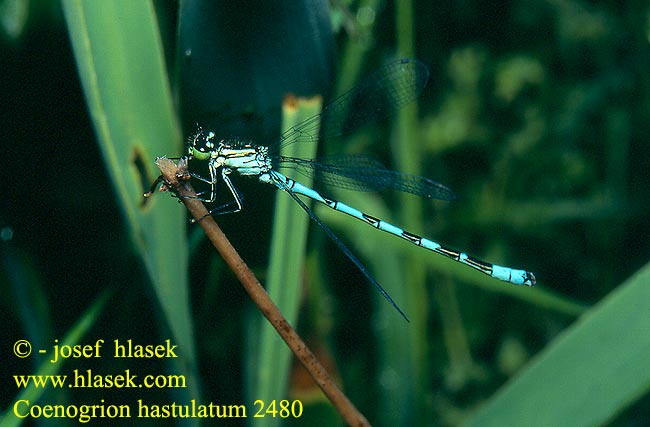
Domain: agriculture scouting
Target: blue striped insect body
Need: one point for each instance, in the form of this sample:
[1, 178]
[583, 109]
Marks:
[378, 97]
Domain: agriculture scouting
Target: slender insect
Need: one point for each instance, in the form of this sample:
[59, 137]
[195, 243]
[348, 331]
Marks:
[383, 93]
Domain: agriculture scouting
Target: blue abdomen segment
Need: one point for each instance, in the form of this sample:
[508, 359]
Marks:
[506, 274]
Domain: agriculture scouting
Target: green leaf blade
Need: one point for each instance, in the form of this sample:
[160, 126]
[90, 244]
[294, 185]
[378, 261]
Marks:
[120, 61]
[592, 371]
[285, 282]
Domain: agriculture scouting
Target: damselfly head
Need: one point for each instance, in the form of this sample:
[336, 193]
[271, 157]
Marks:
[201, 144]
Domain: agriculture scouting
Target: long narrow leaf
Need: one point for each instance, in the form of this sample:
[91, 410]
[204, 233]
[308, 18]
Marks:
[119, 56]
[289, 239]
[592, 371]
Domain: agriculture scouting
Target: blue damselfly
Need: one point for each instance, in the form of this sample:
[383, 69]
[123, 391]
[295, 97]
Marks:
[379, 96]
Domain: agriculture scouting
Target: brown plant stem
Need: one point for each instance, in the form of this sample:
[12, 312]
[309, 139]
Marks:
[175, 178]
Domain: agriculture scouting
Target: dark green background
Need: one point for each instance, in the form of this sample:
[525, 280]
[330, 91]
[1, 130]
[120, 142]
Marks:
[537, 116]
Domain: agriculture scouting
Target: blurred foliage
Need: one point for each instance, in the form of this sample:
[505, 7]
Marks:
[536, 116]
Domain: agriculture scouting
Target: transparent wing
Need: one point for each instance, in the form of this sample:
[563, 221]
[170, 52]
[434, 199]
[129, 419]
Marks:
[379, 96]
[364, 173]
